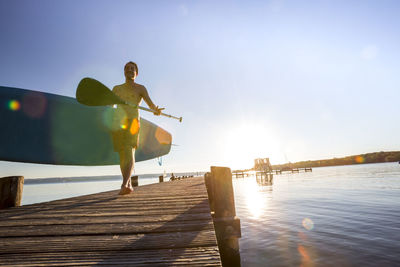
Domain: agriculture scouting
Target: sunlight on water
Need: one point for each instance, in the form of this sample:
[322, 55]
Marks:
[305, 258]
[254, 199]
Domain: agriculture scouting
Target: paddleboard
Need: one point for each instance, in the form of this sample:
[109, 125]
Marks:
[45, 128]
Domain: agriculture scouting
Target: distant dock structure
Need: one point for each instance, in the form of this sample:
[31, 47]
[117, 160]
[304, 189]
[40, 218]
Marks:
[240, 173]
[263, 169]
[301, 169]
[263, 166]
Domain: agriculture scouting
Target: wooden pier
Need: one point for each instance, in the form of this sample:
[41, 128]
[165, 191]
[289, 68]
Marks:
[159, 224]
[293, 170]
[300, 169]
[240, 174]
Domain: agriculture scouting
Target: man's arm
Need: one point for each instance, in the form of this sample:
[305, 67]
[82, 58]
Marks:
[148, 101]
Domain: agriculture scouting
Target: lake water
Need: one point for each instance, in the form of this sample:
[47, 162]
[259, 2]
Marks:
[332, 216]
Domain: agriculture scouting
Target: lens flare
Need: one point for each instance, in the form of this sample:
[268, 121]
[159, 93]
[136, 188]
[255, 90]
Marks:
[303, 252]
[108, 119]
[308, 224]
[124, 123]
[118, 119]
[14, 105]
[34, 104]
[134, 127]
[360, 159]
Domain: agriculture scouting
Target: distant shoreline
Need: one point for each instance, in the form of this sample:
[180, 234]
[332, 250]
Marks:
[375, 157]
[70, 179]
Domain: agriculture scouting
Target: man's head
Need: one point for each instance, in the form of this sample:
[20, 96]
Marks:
[131, 70]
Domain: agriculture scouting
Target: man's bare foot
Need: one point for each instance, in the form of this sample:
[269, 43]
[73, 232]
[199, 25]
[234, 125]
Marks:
[125, 190]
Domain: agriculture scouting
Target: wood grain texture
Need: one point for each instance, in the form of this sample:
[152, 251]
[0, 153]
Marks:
[201, 256]
[162, 224]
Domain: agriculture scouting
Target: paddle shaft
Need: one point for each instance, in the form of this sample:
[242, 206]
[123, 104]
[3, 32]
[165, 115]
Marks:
[166, 115]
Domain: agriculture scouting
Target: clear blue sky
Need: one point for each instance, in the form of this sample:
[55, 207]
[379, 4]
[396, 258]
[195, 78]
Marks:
[289, 80]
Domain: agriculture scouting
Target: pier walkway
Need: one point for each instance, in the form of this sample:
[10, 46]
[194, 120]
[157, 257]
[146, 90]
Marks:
[159, 224]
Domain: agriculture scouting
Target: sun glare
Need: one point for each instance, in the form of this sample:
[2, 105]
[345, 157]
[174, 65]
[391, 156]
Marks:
[244, 143]
[255, 201]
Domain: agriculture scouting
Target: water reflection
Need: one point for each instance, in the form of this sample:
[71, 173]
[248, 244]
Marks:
[264, 179]
[305, 258]
[256, 202]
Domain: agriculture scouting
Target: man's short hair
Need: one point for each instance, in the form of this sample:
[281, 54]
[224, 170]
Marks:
[134, 64]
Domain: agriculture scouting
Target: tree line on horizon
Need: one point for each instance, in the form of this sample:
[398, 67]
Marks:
[376, 157]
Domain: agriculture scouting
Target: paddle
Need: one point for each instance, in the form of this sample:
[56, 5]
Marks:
[91, 92]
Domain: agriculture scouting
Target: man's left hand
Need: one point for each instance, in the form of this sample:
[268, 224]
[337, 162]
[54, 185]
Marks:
[157, 111]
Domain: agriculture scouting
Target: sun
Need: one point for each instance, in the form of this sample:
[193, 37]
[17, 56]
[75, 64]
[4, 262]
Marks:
[245, 142]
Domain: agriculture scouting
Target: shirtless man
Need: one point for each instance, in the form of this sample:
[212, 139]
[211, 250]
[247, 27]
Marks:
[126, 136]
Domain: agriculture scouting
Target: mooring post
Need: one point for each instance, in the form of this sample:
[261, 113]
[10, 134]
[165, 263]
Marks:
[135, 180]
[11, 191]
[222, 204]
[269, 176]
[210, 191]
[161, 178]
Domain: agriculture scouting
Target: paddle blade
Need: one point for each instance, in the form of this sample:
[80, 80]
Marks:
[91, 92]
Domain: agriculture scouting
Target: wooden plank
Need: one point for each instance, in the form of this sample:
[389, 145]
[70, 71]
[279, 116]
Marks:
[12, 245]
[133, 202]
[127, 208]
[201, 256]
[108, 202]
[137, 204]
[108, 228]
[111, 207]
[133, 207]
[104, 219]
[121, 212]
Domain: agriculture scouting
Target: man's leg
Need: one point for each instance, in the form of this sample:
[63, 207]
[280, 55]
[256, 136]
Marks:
[126, 163]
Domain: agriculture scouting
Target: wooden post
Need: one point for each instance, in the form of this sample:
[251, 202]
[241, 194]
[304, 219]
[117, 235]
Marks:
[135, 180]
[226, 224]
[161, 178]
[210, 190]
[11, 191]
